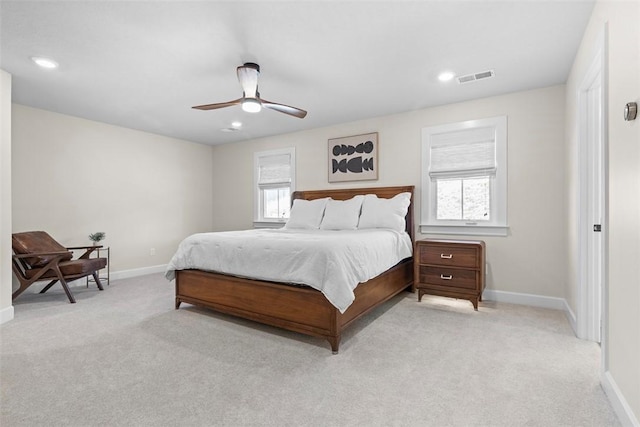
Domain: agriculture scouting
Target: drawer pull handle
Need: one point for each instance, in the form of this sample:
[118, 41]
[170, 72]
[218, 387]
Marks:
[446, 256]
[443, 277]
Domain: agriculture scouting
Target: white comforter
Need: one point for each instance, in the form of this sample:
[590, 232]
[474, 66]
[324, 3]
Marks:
[333, 262]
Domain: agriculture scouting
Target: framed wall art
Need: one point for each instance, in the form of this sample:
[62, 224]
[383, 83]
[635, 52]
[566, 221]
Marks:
[353, 158]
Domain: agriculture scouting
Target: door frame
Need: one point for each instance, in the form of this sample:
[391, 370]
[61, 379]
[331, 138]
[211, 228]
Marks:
[591, 302]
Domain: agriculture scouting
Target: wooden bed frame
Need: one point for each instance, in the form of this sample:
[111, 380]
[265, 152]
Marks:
[298, 308]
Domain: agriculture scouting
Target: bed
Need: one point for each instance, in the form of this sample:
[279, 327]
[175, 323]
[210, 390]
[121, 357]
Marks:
[293, 307]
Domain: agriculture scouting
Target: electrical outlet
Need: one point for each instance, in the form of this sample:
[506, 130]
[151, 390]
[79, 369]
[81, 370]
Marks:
[152, 251]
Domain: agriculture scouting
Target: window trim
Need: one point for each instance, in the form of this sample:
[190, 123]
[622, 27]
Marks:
[497, 226]
[258, 216]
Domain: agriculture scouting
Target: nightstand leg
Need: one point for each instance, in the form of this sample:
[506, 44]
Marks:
[475, 304]
[419, 295]
[335, 343]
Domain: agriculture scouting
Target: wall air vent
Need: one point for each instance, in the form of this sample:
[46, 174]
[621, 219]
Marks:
[476, 76]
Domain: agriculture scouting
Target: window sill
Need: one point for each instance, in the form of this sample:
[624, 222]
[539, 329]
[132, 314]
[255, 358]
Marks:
[466, 230]
[269, 224]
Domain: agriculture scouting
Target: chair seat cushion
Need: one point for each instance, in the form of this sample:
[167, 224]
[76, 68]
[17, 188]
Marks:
[73, 269]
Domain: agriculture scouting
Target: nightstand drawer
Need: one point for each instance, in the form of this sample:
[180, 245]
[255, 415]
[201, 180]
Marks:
[450, 277]
[457, 256]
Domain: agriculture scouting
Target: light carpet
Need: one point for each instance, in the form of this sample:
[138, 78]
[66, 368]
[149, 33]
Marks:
[126, 357]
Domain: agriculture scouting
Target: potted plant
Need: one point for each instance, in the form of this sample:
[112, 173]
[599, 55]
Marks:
[97, 237]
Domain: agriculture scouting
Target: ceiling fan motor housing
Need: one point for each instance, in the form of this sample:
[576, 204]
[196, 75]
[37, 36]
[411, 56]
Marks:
[251, 65]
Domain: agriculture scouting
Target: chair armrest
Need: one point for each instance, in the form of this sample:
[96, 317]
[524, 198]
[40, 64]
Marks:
[88, 250]
[37, 254]
[20, 266]
[71, 248]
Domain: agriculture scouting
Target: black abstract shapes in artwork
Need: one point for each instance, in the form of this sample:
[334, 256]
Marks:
[347, 150]
[367, 147]
[354, 165]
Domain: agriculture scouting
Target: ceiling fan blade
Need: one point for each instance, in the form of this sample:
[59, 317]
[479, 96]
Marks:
[248, 78]
[292, 111]
[219, 105]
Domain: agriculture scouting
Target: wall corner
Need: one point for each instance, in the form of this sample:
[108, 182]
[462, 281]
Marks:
[6, 307]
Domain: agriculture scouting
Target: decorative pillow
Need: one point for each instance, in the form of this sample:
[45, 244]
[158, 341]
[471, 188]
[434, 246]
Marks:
[342, 214]
[306, 214]
[384, 213]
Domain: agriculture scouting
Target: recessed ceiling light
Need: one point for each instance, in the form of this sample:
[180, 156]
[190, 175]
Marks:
[236, 124]
[44, 62]
[446, 76]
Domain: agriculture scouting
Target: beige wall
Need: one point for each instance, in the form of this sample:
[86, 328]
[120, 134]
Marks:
[530, 260]
[72, 177]
[622, 344]
[6, 309]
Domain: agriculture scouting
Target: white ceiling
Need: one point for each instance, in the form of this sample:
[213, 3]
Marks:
[143, 65]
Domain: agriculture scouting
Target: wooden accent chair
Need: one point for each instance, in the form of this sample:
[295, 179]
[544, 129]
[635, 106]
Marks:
[37, 256]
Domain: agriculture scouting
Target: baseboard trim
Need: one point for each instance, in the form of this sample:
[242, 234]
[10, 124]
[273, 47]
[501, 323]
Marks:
[534, 301]
[618, 402]
[6, 314]
[135, 272]
[524, 299]
[571, 317]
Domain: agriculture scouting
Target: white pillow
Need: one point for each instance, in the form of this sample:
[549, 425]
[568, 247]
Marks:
[306, 214]
[342, 214]
[384, 213]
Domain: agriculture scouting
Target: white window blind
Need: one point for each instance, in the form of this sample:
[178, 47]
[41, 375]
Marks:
[274, 182]
[464, 176]
[464, 153]
[274, 169]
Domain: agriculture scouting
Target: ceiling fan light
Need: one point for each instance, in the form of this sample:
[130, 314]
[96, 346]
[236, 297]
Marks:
[251, 105]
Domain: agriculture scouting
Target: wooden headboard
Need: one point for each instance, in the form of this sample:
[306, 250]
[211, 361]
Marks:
[347, 193]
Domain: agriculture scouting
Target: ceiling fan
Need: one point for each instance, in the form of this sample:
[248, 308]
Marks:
[251, 101]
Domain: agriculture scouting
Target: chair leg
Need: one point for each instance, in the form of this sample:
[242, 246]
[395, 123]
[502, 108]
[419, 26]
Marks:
[23, 287]
[96, 277]
[72, 300]
[46, 288]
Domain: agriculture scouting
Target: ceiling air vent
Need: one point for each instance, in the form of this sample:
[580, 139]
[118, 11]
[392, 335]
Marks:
[477, 76]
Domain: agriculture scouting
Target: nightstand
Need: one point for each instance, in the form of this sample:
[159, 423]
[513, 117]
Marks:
[450, 268]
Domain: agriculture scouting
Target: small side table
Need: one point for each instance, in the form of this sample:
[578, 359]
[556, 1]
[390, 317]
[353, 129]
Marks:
[101, 276]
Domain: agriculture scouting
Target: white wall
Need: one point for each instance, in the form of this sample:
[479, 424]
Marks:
[530, 260]
[622, 346]
[6, 309]
[72, 177]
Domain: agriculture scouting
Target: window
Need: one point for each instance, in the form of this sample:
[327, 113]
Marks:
[274, 183]
[464, 178]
